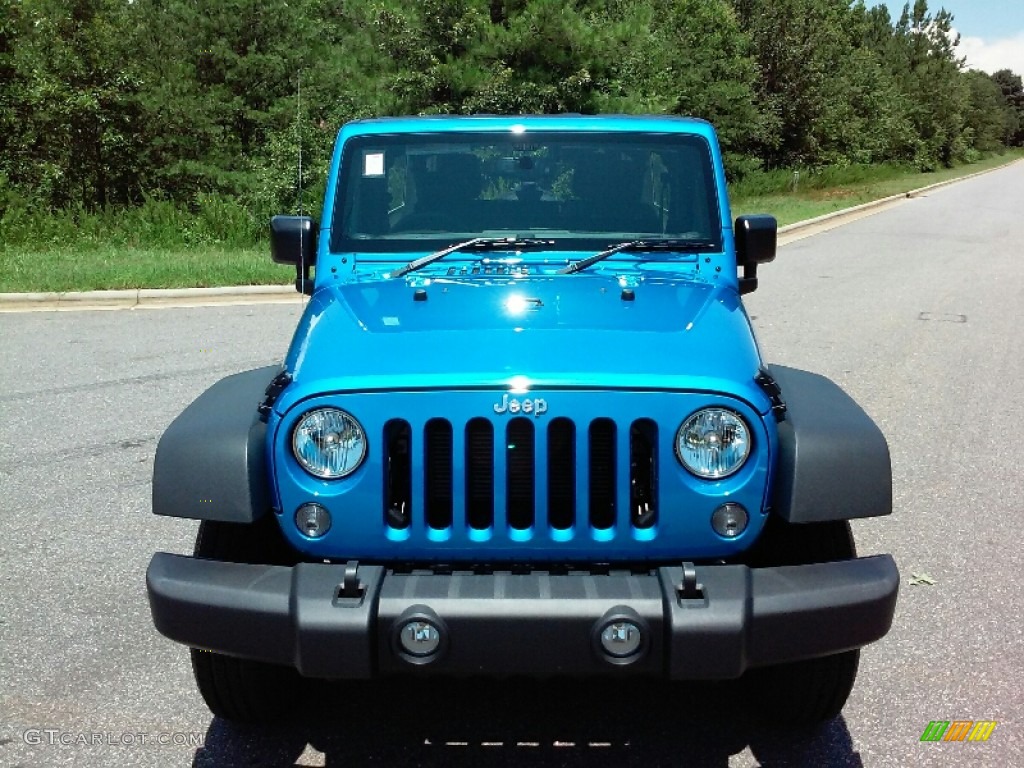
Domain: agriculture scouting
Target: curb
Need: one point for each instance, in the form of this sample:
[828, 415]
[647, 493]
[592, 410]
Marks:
[251, 294]
[142, 297]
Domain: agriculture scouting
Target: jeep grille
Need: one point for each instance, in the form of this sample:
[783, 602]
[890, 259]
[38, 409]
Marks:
[521, 479]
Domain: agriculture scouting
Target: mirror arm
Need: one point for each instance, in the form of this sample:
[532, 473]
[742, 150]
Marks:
[748, 282]
[303, 282]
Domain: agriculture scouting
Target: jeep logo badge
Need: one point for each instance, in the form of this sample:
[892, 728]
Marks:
[538, 406]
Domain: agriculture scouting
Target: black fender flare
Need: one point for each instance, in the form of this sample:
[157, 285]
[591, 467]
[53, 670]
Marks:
[211, 462]
[833, 459]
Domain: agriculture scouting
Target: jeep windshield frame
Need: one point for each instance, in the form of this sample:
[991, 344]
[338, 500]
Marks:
[405, 193]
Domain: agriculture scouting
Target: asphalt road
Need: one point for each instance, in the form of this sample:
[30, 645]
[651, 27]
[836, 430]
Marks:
[917, 311]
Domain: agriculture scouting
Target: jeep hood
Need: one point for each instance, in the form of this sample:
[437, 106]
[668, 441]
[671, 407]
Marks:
[569, 331]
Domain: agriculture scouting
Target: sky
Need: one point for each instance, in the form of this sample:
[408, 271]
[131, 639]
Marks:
[991, 31]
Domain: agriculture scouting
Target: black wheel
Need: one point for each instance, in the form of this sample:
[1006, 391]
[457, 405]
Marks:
[239, 689]
[804, 693]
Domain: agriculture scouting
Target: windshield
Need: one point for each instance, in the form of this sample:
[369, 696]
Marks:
[419, 192]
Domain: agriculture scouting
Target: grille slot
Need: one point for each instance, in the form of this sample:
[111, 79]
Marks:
[397, 474]
[437, 482]
[643, 473]
[480, 474]
[602, 473]
[519, 461]
[561, 473]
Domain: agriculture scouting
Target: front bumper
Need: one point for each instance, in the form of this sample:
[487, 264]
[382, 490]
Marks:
[339, 622]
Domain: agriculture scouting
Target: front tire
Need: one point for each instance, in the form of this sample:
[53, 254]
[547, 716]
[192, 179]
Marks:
[805, 693]
[243, 690]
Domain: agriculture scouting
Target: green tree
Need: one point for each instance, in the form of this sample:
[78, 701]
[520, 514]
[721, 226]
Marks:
[801, 47]
[653, 56]
[929, 72]
[468, 56]
[12, 101]
[81, 117]
[688, 57]
[1013, 94]
[988, 115]
[869, 120]
[221, 95]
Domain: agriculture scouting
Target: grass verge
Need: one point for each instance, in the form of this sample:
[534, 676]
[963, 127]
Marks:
[68, 268]
[812, 198]
[90, 266]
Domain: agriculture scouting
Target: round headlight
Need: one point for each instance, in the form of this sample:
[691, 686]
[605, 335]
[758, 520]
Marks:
[329, 443]
[713, 443]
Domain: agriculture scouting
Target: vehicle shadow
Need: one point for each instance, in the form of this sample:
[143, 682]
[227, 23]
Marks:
[522, 724]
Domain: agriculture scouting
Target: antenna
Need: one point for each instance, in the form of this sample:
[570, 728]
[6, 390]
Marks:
[303, 273]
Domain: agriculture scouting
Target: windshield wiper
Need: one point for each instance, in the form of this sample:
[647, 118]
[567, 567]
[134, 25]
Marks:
[663, 244]
[482, 243]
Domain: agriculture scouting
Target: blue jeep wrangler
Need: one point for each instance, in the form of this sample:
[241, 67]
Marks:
[524, 428]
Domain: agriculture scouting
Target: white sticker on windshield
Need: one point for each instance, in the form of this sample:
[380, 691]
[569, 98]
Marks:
[373, 164]
[390, 320]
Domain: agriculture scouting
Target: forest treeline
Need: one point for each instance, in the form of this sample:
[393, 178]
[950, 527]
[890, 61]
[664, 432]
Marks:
[202, 105]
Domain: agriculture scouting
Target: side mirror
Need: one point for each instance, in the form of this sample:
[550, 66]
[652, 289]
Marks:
[293, 241]
[755, 236]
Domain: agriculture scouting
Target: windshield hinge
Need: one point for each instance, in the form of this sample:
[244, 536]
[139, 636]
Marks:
[771, 388]
[273, 391]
